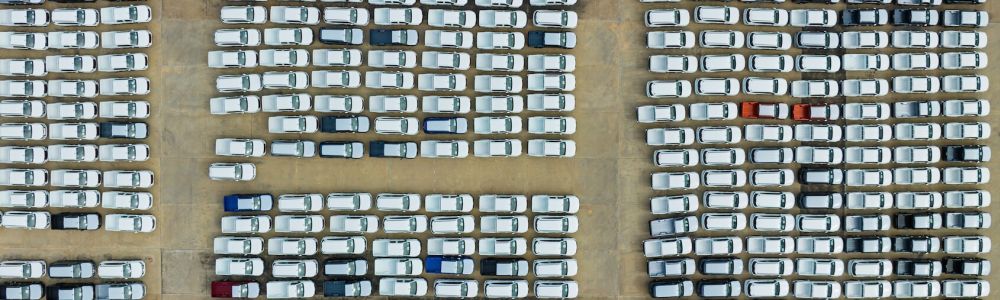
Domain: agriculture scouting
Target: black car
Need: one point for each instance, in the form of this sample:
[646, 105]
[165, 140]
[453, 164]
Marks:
[865, 17]
[918, 221]
[915, 17]
[122, 130]
[392, 37]
[352, 150]
[918, 267]
[335, 124]
[544, 39]
[76, 221]
[964, 1]
[975, 153]
[866, 244]
[341, 36]
[821, 176]
[30, 1]
[917, 244]
[354, 288]
[70, 291]
[392, 149]
[967, 266]
[503, 267]
[445, 125]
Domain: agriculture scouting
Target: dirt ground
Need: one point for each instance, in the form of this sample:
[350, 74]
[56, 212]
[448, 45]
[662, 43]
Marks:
[610, 173]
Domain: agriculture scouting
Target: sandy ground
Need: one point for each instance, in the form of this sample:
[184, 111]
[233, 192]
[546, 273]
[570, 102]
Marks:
[610, 172]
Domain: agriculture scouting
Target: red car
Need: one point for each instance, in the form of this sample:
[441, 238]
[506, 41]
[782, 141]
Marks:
[235, 289]
[757, 110]
[815, 112]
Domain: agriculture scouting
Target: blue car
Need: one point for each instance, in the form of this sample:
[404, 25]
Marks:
[449, 265]
[446, 125]
[247, 202]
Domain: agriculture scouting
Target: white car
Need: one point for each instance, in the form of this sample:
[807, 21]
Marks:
[337, 57]
[769, 40]
[497, 148]
[813, 18]
[716, 14]
[288, 80]
[496, 40]
[815, 88]
[124, 86]
[765, 86]
[966, 131]
[336, 79]
[338, 103]
[499, 104]
[444, 149]
[352, 224]
[238, 245]
[498, 125]
[963, 39]
[502, 18]
[959, 108]
[971, 60]
[451, 18]
[915, 39]
[667, 17]
[75, 17]
[232, 171]
[71, 111]
[765, 17]
[284, 58]
[22, 269]
[446, 60]
[551, 125]
[298, 224]
[503, 203]
[499, 62]
[31, 17]
[670, 40]
[398, 16]
[966, 175]
[918, 154]
[291, 246]
[243, 14]
[375, 79]
[73, 131]
[294, 15]
[392, 59]
[352, 16]
[121, 269]
[661, 113]
[404, 224]
[129, 223]
[451, 39]
[673, 64]
[235, 105]
[127, 200]
[917, 131]
[451, 246]
[717, 86]
[551, 148]
[290, 289]
[34, 40]
[670, 136]
[109, 39]
[544, 268]
[864, 39]
[554, 18]
[73, 153]
[26, 67]
[446, 104]
[769, 63]
[72, 88]
[126, 14]
[721, 39]
[872, 132]
[239, 266]
[128, 179]
[74, 198]
[288, 36]
[122, 62]
[23, 88]
[292, 124]
[403, 287]
[964, 83]
[866, 88]
[396, 125]
[668, 89]
[441, 82]
[398, 202]
[75, 178]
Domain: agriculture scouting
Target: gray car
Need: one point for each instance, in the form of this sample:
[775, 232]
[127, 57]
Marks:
[293, 148]
[352, 150]
[345, 267]
[72, 269]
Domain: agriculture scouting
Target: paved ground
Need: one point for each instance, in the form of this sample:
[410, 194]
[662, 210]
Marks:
[610, 173]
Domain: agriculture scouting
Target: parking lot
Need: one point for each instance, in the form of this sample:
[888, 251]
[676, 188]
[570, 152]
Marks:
[610, 172]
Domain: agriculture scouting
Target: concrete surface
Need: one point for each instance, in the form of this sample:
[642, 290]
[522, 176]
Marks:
[610, 173]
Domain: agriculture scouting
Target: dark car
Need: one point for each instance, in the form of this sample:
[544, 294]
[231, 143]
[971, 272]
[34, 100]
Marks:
[455, 265]
[446, 125]
[122, 130]
[392, 149]
[975, 153]
[918, 221]
[31, 1]
[821, 176]
[235, 289]
[24, 291]
[915, 17]
[918, 267]
[917, 244]
[352, 150]
[68, 291]
[503, 267]
[72, 269]
[335, 124]
[247, 202]
[392, 37]
[76, 221]
[544, 39]
[866, 244]
[341, 36]
[354, 288]
[964, 1]
[865, 17]
[967, 266]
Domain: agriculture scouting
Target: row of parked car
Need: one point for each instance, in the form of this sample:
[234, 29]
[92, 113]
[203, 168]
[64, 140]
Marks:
[813, 112]
[73, 64]
[808, 289]
[304, 36]
[351, 79]
[74, 153]
[244, 104]
[85, 291]
[856, 268]
[898, 2]
[850, 177]
[15, 40]
[917, 61]
[74, 110]
[76, 199]
[406, 59]
[72, 269]
[780, 222]
[437, 203]
[680, 246]
[820, 155]
[112, 15]
[777, 17]
[760, 40]
[449, 246]
[818, 133]
[822, 88]
[390, 16]
[77, 221]
[689, 203]
[73, 88]
[136, 179]
[397, 286]
[464, 224]
[87, 131]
